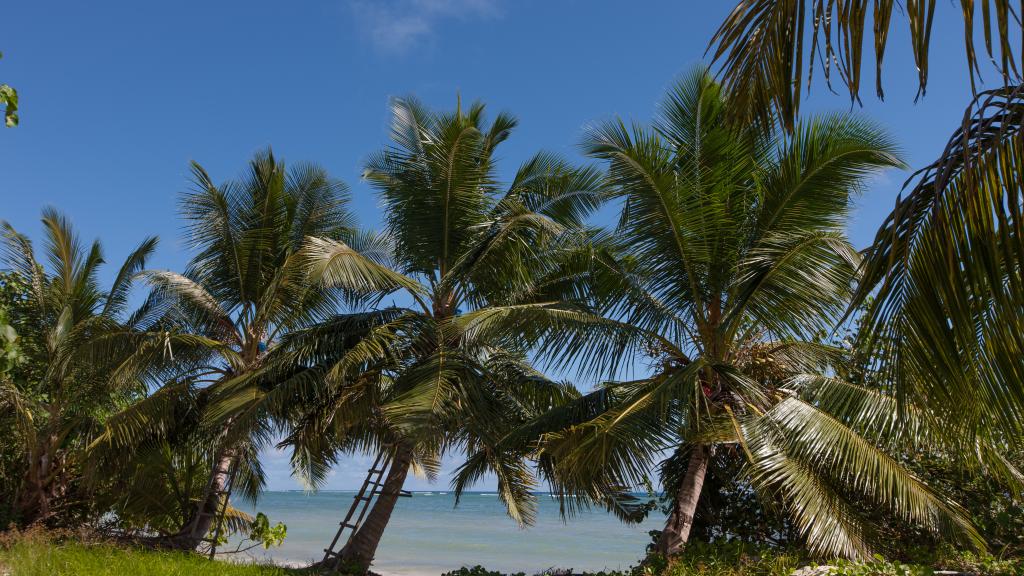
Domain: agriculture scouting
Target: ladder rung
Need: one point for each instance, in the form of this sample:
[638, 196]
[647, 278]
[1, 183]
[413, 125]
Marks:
[347, 525]
[402, 493]
[377, 471]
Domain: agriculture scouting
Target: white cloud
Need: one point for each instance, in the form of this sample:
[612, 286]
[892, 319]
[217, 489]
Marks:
[396, 26]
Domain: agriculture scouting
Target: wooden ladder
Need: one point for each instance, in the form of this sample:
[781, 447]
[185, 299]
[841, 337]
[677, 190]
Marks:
[373, 485]
[222, 508]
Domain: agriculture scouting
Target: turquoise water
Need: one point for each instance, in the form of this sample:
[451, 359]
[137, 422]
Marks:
[427, 535]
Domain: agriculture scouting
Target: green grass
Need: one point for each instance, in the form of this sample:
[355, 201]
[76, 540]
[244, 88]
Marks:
[36, 557]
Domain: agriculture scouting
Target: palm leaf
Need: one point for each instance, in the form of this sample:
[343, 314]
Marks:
[768, 49]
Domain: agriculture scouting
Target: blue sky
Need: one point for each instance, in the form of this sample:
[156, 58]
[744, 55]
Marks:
[117, 97]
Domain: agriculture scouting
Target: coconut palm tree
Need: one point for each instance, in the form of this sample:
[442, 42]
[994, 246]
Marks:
[944, 327]
[729, 261]
[448, 371]
[59, 407]
[244, 289]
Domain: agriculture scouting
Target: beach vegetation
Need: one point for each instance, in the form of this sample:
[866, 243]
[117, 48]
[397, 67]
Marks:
[65, 339]
[691, 349]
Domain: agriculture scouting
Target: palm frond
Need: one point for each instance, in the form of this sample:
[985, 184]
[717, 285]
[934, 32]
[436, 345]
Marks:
[946, 266]
[769, 49]
[824, 446]
[117, 297]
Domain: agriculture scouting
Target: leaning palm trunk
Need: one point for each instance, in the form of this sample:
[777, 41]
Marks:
[677, 528]
[205, 513]
[359, 552]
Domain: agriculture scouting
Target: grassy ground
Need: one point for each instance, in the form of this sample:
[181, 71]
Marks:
[31, 557]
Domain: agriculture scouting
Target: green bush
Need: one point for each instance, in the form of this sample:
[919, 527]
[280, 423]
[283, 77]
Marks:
[479, 570]
[730, 559]
[879, 567]
[985, 564]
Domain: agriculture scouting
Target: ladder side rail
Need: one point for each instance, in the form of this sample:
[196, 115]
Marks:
[345, 523]
[378, 483]
[356, 502]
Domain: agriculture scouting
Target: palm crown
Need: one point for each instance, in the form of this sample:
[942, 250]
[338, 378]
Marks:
[244, 289]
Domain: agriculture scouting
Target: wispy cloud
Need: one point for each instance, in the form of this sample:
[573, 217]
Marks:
[397, 26]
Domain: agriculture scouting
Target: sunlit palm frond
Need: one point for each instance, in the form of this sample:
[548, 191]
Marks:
[811, 443]
[333, 263]
[562, 333]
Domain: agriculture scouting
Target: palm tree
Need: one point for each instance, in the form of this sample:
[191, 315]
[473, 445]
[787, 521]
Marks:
[728, 262]
[945, 327]
[449, 371]
[244, 289]
[59, 407]
[764, 44]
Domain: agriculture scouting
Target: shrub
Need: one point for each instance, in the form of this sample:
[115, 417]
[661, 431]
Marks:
[879, 566]
[985, 564]
[731, 559]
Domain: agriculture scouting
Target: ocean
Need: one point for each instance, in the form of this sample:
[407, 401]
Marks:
[428, 535]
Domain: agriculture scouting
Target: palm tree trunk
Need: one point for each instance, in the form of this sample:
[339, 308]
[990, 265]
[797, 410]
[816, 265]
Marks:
[191, 536]
[31, 503]
[359, 552]
[34, 498]
[680, 521]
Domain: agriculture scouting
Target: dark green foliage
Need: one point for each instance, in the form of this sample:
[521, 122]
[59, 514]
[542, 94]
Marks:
[57, 396]
[479, 570]
[24, 320]
[732, 559]
[994, 509]
[879, 566]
